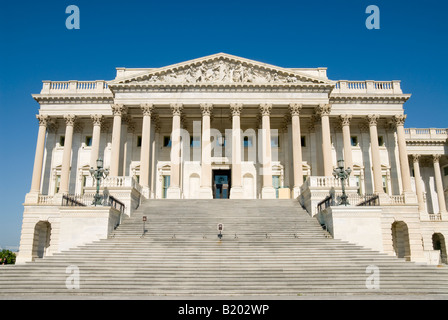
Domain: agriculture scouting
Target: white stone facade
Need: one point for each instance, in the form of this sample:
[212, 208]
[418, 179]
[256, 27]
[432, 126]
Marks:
[201, 129]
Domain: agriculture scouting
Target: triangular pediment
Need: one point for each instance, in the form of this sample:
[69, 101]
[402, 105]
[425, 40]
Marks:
[220, 69]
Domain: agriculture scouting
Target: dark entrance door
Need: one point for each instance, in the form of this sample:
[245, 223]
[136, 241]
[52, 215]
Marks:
[221, 184]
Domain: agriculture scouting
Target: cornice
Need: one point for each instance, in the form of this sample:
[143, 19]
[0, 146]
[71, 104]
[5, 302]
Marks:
[74, 98]
[339, 98]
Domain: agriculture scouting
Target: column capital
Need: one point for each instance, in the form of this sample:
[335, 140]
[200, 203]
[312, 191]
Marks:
[235, 108]
[295, 108]
[147, 108]
[118, 109]
[70, 119]
[176, 108]
[399, 119]
[43, 120]
[97, 119]
[373, 119]
[345, 119]
[324, 109]
[206, 109]
[415, 157]
[265, 109]
[436, 158]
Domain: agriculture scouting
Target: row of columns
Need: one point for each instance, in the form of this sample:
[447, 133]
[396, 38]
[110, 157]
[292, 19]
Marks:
[438, 180]
[322, 110]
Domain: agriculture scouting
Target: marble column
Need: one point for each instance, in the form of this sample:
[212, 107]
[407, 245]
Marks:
[236, 191]
[295, 109]
[39, 155]
[267, 191]
[375, 152]
[439, 184]
[324, 112]
[118, 111]
[403, 155]
[346, 137]
[174, 191]
[67, 154]
[94, 152]
[205, 191]
[418, 183]
[147, 109]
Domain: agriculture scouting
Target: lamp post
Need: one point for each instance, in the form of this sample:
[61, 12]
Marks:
[343, 175]
[98, 174]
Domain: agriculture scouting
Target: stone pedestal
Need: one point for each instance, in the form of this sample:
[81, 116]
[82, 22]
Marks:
[236, 193]
[205, 193]
[268, 193]
[173, 193]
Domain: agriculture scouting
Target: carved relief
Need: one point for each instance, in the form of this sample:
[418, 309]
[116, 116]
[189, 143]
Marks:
[222, 71]
[206, 109]
[176, 109]
[118, 109]
[399, 119]
[373, 119]
[345, 119]
[295, 108]
[323, 110]
[69, 119]
[97, 119]
[265, 109]
[147, 109]
[235, 108]
[43, 120]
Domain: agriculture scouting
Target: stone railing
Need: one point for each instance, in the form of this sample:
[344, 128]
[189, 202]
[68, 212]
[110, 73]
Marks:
[116, 182]
[368, 86]
[45, 200]
[56, 87]
[426, 134]
[326, 182]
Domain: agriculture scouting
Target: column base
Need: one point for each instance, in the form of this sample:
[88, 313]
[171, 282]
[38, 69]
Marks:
[296, 192]
[173, 193]
[410, 198]
[205, 193]
[268, 193]
[146, 192]
[236, 193]
[32, 198]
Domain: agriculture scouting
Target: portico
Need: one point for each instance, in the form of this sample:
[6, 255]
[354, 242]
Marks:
[225, 127]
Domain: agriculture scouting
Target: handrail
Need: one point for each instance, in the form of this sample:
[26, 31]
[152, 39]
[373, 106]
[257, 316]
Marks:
[374, 200]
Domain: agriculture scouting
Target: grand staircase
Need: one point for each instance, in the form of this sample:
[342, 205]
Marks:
[268, 247]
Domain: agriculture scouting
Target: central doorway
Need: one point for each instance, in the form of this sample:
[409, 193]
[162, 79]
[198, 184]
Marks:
[221, 184]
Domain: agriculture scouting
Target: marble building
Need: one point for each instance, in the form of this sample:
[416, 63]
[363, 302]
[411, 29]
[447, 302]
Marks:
[223, 127]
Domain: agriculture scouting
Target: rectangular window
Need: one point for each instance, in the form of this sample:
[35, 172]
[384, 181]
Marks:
[247, 142]
[58, 183]
[303, 141]
[61, 141]
[385, 184]
[445, 171]
[88, 141]
[381, 141]
[195, 142]
[139, 141]
[275, 142]
[167, 141]
[354, 141]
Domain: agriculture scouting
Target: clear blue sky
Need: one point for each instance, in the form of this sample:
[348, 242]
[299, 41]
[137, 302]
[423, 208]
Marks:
[35, 45]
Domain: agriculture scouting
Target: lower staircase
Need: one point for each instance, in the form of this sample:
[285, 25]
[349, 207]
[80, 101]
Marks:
[268, 247]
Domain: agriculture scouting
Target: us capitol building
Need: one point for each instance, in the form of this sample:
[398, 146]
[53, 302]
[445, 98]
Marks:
[225, 127]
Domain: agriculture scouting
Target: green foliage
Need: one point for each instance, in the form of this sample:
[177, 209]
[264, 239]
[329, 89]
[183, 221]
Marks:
[9, 256]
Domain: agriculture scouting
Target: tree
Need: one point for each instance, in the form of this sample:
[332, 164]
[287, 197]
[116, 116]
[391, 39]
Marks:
[9, 255]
